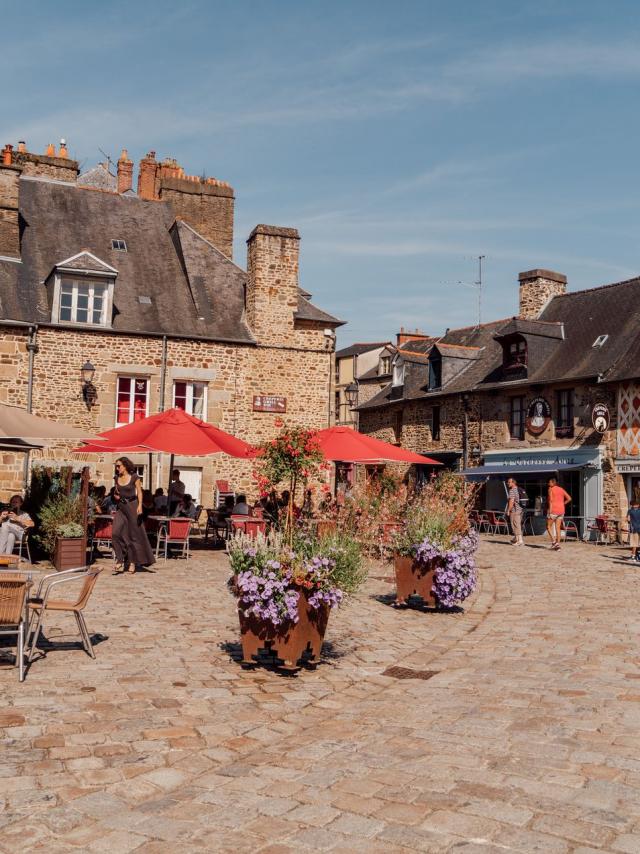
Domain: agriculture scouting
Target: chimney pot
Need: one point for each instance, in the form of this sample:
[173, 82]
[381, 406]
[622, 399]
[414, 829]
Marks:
[7, 155]
[22, 146]
[63, 148]
[51, 150]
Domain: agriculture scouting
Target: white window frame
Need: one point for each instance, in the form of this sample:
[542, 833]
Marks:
[132, 398]
[81, 282]
[189, 403]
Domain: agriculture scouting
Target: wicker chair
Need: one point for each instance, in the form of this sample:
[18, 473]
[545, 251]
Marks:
[13, 593]
[42, 602]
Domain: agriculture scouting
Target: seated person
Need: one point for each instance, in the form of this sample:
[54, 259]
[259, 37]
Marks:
[13, 523]
[227, 509]
[186, 508]
[148, 504]
[241, 508]
[161, 502]
[99, 498]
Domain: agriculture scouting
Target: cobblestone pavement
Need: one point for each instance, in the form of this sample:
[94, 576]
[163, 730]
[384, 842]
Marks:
[526, 739]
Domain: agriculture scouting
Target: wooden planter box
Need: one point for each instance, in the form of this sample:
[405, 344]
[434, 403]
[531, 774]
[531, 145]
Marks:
[413, 579]
[70, 553]
[290, 646]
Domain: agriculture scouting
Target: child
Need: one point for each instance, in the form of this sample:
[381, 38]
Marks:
[633, 517]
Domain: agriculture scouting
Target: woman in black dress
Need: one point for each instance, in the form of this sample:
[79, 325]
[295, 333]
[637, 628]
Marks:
[130, 541]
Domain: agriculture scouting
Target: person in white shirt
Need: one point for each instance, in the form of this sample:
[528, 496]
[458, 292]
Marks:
[160, 501]
[241, 508]
[186, 508]
[14, 522]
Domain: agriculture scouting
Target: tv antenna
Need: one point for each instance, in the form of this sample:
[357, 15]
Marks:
[109, 160]
[477, 284]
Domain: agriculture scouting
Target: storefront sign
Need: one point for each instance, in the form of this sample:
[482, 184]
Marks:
[269, 403]
[600, 417]
[538, 416]
[627, 467]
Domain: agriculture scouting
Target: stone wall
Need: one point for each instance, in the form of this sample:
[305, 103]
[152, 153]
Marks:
[272, 289]
[9, 227]
[536, 289]
[233, 375]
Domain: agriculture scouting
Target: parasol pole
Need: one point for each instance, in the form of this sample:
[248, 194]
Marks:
[169, 487]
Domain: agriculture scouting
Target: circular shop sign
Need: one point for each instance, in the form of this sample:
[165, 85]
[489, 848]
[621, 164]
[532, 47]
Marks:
[600, 417]
[538, 416]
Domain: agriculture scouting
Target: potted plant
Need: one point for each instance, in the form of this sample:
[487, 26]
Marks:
[62, 534]
[434, 551]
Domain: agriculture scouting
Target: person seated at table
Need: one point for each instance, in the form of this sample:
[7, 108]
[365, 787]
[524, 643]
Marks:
[110, 504]
[241, 508]
[227, 508]
[148, 504]
[99, 498]
[186, 508]
[13, 523]
[160, 502]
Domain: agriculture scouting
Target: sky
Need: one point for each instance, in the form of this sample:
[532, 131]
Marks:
[403, 139]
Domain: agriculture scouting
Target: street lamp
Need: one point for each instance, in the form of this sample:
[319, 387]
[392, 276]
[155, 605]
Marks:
[351, 393]
[89, 392]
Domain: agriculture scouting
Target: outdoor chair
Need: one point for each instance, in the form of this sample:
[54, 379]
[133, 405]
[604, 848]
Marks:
[197, 521]
[602, 528]
[103, 535]
[238, 522]
[175, 533]
[223, 490]
[13, 594]
[497, 522]
[483, 522]
[570, 528]
[43, 602]
[22, 545]
[474, 519]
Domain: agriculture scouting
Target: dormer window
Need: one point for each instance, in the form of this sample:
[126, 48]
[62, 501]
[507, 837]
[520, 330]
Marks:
[83, 301]
[398, 373]
[385, 365]
[435, 370]
[515, 353]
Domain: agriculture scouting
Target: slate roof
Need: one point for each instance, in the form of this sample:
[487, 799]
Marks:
[358, 349]
[569, 324]
[194, 290]
[99, 178]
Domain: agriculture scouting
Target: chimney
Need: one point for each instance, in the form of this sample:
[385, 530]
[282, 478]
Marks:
[537, 287]
[9, 219]
[147, 177]
[272, 287]
[405, 335]
[49, 165]
[22, 146]
[125, 172]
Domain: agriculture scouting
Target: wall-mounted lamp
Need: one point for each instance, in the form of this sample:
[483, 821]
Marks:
[351, 394]
[89, 392]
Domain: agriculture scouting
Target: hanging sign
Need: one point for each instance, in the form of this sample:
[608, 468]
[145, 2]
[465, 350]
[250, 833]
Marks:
[538, 416]
[269, 403]
[600, 417]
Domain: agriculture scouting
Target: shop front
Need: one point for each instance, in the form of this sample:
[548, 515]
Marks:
[578, 470]
[630, 471]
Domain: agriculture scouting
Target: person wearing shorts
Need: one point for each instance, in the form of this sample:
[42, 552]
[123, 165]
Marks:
[633, 518]
[557, 500]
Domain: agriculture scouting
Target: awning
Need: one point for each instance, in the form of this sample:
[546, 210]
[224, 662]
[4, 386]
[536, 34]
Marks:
[483, 472]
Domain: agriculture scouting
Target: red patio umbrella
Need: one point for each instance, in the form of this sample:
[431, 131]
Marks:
[350, 446]
[170, 432]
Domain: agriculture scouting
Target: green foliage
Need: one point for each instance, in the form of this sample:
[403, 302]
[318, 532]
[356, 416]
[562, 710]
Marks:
[350, 570]
[58, 514]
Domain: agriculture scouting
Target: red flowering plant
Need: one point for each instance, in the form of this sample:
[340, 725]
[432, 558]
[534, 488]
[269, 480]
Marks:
[291, 459]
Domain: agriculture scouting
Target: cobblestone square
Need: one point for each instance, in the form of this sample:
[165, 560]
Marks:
[525, 739]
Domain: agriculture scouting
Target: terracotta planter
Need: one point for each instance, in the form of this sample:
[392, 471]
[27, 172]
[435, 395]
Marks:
[325, 527]
[414, 579]
[291, 645]
[70, 553]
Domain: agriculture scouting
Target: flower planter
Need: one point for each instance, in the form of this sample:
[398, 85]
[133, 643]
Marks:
[291, 645]
[70, 553]
[414, 579]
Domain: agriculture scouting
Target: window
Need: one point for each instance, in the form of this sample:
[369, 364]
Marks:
[191, 397]
[600, 340]
[119, 245]
[435, 371]
[83, 302]
[435, 423]
[398, 373]
[132, 402]
[516, 419]
[385, 365]
[564, 413]
[515, 354]
[337, 407]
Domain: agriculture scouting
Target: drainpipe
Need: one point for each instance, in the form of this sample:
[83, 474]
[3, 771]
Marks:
[163, 377]
[465, 431]
[32, 349]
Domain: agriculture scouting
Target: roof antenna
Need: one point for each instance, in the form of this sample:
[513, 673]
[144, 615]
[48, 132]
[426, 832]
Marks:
[109, 160]
[477, 284]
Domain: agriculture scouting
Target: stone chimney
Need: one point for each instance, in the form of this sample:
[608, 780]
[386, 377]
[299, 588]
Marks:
[405, 335]
[49, 165]
[9, 219]
[272, 287]
[147, 175]
[125, 172]
[537, 287]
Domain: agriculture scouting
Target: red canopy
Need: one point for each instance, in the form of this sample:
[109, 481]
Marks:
[348, 445]
[170, 432]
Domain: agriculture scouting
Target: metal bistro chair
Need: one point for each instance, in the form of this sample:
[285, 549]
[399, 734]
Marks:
[498, 522]
[13, 594]
[43, 602]
[22, 544]
[197, 522]
[103, 535]
[175, 532]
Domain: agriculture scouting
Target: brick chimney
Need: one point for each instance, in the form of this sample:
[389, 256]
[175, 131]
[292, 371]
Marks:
[537, 287]
[272, 287]
[9, 219]
[147, 176]
[125, 172]
[405, 335]
[49, 165]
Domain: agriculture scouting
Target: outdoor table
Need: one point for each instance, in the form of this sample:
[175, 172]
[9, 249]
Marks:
[9, 561]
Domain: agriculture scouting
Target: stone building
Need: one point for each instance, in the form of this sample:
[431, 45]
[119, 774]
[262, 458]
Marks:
[142, 286]
[352, 363]
[554, 389]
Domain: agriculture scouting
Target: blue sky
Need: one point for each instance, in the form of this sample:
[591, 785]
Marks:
[402, 139]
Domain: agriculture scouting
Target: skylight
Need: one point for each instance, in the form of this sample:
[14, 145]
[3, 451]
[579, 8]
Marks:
[144, 300]
[600, 340]
[119, 245]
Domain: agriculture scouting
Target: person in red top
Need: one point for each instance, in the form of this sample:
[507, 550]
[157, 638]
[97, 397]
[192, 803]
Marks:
[557, 500]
